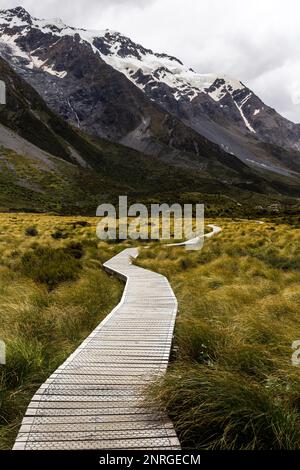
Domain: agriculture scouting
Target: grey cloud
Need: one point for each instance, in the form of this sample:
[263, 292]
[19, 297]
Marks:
[72, 8]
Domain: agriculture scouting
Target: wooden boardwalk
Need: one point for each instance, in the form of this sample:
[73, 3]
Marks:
[95, 399]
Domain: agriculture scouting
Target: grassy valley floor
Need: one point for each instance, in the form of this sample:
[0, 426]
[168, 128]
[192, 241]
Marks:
[231, 383]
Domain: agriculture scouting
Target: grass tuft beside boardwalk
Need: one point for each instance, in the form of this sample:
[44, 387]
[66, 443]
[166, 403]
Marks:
[231, 384]
[53, 293]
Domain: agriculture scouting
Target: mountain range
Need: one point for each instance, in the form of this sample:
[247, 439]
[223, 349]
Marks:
[125, 118]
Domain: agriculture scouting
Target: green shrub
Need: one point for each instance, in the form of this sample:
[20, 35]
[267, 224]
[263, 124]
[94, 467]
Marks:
[58, 235]
[75, 249]
[31, 232]
[50, 266]
[81, 223]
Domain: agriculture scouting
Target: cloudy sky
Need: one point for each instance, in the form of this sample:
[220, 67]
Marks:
[255, 41]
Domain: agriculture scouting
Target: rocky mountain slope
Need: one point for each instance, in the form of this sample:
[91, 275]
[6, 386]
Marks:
[103, 102]
[46, 164]
[109, 86]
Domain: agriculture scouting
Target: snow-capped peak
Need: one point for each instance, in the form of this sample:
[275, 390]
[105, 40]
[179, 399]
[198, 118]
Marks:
[17, 11]
[142, 66]
[146, 69]
[52, 23]
[15, 17]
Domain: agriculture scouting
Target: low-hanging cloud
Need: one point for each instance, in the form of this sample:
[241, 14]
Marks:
[72, 9]
[256, 42]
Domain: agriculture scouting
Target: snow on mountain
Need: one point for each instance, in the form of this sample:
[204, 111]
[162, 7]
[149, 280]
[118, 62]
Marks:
[213, 104]
[121, 53]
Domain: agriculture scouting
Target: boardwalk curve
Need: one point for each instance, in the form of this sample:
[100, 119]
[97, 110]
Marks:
[94, 400]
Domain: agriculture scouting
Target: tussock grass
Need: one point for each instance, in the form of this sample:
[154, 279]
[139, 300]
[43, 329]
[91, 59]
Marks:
[232, 384]
[211, 409]
[53, 293]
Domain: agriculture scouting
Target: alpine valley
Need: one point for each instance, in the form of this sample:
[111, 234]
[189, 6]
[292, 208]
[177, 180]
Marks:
[91, 114]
